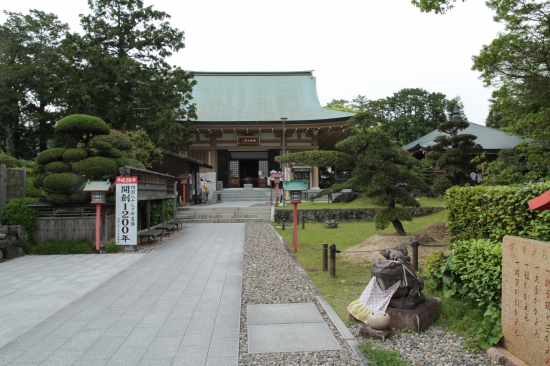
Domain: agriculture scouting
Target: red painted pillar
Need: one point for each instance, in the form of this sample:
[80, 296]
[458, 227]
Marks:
[184, 194]
[97, 226]
[295, 233]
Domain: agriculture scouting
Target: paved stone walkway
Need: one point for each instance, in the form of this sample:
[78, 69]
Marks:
[178, 305]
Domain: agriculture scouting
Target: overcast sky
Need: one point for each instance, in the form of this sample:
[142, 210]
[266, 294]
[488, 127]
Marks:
[368, 47]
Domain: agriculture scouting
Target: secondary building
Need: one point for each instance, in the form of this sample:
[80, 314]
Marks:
[246, 119]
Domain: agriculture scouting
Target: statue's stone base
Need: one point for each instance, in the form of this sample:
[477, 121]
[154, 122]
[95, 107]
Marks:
[417, 319]
[378, 335]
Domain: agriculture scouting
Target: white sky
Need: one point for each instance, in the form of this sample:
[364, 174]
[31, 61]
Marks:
[368, 47]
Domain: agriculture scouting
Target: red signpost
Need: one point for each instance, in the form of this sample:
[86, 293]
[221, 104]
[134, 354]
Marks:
[276, 179]
[295, 189]
[98, 191]
[184, 179]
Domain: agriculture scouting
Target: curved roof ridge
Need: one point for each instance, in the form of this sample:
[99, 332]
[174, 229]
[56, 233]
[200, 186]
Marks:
[252, 73]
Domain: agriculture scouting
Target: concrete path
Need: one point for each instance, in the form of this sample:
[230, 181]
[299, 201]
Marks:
[32, 288]
[179, 305]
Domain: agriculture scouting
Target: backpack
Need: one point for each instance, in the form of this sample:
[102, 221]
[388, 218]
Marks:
[206, 186]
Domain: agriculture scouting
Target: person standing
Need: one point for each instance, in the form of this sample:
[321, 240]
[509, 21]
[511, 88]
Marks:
[203, 190]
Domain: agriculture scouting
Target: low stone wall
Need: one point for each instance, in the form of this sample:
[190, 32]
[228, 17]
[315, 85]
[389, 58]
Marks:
[346, 214]
[11, 239]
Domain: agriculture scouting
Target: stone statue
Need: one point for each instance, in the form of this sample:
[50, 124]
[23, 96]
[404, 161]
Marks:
[397, 267]
[331, 224]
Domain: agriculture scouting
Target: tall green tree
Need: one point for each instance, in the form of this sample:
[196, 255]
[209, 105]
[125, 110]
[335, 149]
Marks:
[411, 113]
[406, 115]
[436, 6]
[30, 80]
[516, 63]
[382, 171]
[121, 74]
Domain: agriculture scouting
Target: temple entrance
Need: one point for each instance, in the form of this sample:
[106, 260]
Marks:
[248, 168]
[249, 172]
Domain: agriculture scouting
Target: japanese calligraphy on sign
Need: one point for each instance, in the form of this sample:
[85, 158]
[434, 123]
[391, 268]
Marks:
[248, 140]
[526, 299]
[126, 210]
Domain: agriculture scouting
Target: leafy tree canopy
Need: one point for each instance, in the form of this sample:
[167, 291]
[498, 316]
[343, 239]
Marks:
[437, 6]
[516, 63]
[30, 82]
[406, 115]
[121, 59]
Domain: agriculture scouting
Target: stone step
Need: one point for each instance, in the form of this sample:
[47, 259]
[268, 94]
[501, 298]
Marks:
[228, 220]
[223, 216]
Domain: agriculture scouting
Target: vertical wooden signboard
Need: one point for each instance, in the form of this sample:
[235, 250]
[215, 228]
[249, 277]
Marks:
[126, 210]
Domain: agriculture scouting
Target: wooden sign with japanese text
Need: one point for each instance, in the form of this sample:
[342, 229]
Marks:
[248, 140]
[526, 299]
[126, 210]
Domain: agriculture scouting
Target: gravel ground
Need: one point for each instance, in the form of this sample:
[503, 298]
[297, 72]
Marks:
[433, 347]
[271, 276]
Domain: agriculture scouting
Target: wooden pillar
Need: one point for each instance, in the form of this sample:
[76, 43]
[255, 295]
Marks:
[162, 210]
[315, 177]
[148, 209]
[105, 226]
[3, 188]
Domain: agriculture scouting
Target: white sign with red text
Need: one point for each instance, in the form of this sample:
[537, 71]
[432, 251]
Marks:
[126, 210]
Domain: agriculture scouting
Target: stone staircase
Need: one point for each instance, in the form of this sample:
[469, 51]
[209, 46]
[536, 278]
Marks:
[223, 214]
[230, 195]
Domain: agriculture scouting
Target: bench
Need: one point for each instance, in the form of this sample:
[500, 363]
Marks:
[179, 224]
[150, 234]
[167, 227]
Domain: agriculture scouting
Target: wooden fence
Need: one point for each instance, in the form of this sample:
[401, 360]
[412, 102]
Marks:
[68, 227]
[13, 184]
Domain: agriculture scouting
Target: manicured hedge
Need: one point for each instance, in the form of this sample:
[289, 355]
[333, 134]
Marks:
[47, 156]
[74, 155]
[77, 124]
[493, 212]
[62, 182]
[96, 167]
[57, 167]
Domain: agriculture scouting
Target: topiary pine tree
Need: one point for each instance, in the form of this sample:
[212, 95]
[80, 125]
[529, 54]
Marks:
[382, 170]
[453, 152]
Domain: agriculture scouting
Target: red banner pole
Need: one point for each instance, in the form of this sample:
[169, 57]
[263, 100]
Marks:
[97, 226]
[295, 233]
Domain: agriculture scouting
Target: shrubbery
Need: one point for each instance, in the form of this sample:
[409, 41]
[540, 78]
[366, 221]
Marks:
[96, 167]
[47, 156]
[111, 248]
[472, 269]
[16, 212]
[53, 247]
[493, 212]
[57, 167]
[74, 155]
[62, 182]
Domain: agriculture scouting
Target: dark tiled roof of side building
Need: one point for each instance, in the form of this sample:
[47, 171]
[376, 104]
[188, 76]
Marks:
[489, 138]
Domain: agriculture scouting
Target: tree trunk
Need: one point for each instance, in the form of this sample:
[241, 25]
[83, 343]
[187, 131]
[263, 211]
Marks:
[42, 128]
[9, 144]
[398, 227]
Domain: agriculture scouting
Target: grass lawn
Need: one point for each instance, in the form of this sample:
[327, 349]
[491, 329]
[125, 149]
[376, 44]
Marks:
[361, 202]
[351, 278]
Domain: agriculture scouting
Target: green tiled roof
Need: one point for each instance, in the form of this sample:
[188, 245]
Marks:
[259, 97]
[489, 138]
